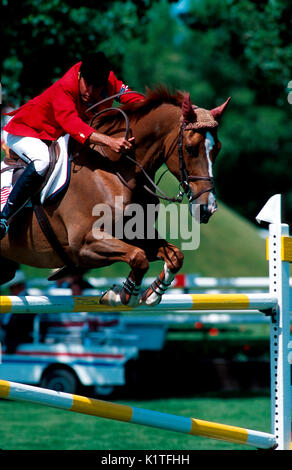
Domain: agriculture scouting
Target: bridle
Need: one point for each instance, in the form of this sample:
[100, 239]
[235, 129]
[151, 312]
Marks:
[185, 178]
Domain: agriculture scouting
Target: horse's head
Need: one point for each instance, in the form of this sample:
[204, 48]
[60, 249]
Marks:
[198, 148]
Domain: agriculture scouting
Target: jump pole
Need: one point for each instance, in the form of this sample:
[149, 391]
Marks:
[129, 414]
[169, 302]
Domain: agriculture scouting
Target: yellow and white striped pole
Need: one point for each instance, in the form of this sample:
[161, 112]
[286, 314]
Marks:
[134, 415]
[58, 304]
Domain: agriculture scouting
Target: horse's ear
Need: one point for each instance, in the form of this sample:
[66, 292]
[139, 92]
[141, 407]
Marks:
[188, 112]
[217, 112]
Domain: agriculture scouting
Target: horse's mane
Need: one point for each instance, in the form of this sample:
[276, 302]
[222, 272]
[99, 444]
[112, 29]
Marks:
[153, 98]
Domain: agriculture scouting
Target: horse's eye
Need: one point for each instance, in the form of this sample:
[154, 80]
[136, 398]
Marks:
[192, 150]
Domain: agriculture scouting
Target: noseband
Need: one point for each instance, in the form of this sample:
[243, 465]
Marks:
[185, 178]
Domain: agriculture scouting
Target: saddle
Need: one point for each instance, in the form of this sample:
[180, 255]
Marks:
[56, 180]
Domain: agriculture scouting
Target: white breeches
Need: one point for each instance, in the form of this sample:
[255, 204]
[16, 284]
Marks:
[29, 149]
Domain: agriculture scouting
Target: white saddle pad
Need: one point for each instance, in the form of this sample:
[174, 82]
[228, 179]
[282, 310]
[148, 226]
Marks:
[58, 180]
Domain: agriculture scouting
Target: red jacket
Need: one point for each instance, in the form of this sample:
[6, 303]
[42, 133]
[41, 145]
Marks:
[59, 111]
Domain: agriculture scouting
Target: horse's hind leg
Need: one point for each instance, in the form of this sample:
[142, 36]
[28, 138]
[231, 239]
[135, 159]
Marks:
[102, 251]
[173, 261]
[8, 270]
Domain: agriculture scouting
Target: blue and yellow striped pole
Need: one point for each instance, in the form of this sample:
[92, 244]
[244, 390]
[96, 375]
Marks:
[129, 414]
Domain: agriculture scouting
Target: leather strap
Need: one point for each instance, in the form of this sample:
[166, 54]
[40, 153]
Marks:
[51, 236]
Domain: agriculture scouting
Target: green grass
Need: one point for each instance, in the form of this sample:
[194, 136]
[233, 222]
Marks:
[34, 427]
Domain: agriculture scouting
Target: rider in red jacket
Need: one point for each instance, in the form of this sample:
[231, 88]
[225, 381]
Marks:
[57, 111]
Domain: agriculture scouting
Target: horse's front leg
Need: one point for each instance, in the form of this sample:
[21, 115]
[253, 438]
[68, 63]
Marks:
[101, 250]
[173, 261]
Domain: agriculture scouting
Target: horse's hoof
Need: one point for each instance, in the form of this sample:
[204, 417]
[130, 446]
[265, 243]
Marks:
[115, 296]
[112, 297]
[150, 298]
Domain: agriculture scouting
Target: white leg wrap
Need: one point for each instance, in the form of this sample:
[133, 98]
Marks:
[168, 275]
[159, 287]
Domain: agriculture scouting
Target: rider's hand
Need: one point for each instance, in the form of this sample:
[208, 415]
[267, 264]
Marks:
[120, 144]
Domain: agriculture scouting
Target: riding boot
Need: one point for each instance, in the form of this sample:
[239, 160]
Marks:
[25, 187]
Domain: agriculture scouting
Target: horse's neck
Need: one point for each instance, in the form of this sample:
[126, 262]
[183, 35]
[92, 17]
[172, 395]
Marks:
[155, 135]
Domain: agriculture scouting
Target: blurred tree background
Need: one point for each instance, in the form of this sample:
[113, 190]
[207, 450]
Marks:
[213, 49]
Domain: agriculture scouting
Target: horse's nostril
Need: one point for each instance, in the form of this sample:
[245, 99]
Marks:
[205, 214]
[204, 209]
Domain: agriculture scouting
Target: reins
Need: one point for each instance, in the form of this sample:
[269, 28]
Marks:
[185, 177]
[162, 195]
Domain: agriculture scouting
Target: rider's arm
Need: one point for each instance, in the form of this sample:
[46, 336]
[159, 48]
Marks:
[117, 144]
[67, 116]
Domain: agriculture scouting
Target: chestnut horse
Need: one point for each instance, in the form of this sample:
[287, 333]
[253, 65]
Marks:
[167, 129]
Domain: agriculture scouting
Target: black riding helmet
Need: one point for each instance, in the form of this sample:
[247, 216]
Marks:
[95, 69]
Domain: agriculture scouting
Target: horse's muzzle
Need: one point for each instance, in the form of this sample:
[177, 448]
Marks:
[203, 212]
